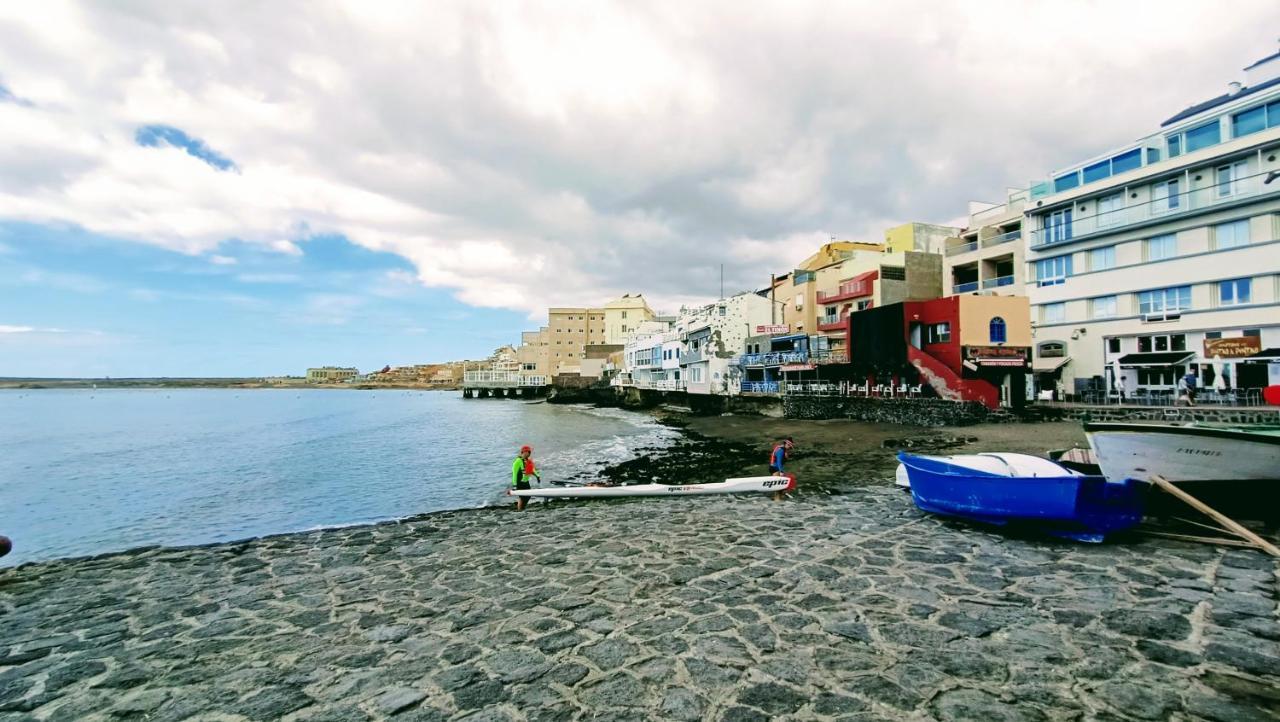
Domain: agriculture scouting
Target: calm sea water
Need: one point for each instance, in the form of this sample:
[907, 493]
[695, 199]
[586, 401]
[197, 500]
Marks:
[90, 471]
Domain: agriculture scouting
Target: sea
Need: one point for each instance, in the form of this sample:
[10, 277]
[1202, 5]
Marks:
[89, 471]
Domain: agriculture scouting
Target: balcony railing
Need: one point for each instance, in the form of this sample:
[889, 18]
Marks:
[830, 357]
[998, 282]
[848, 289]
[659, 385]
[832, 322]
[759, 387]
[965, 287]
[1002, 238]
[500, 379]
[1198, 199]
[773, 358]
[962, 248]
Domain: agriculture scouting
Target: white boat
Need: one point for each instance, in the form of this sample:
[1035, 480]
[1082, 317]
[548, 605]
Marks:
[1185, 453]
[744, 485]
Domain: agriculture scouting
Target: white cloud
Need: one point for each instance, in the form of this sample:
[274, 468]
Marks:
[533, 155]
[222, 260]
[16, 329]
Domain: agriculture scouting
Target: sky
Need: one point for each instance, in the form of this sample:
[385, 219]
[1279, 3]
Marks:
[246, 188]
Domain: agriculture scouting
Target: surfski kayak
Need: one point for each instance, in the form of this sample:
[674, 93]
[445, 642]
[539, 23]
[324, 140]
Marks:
[744, 485]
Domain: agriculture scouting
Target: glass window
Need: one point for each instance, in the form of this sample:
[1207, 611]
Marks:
[1109, 210]
[1256, 332]
[1178, 342]
[1228, 178]
[1104, 307]
[1250, 121]
[998, 330]
[1057, 226]
[1054, 312]
[1204, 136]
[1231, 235]
[1113, 345]
[1236, 292]
[1144, 344]
[1165, 196]
[1126, 161]
[1052, 271]
[1162, 343]
[1100, 259]
[1162, 247]
[1175, 145]
[1066, 182]
[1164, 300]
[1273, 114]
[1097, 171]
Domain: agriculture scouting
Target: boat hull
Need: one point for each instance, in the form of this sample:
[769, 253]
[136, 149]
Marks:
[744, 485]
[1086, 508]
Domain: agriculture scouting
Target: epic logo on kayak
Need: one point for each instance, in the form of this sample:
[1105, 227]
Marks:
[780, 481]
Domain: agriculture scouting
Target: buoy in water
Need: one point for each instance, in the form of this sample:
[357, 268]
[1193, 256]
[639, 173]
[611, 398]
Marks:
[6, 546]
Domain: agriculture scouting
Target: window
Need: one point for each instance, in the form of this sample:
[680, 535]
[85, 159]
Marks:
[864, 305]
[1162, 247]
[1054, 312]
[723, 310]
[893, 273]
[1236, 292]
[1255, 332]
[624, 314]
[1104, 307]
[1164, 196]
[1097, 171]
[1164, 300]
[1178, 342]
[1175, 145]
[1204, 136]
[1249, 121]
[1113, 345]
[1144, 344]
[1231, 235]
[1100, 259]
[998, 330]
[1052, 271]
[1066, 182]
[939, 333]
[1126, 161]
[1109, 210]
[1052, 349]
[1057, 226]
[1229, 179]
[1213, 334]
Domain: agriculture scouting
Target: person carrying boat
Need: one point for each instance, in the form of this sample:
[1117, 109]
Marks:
[780, 452]
[521, 470]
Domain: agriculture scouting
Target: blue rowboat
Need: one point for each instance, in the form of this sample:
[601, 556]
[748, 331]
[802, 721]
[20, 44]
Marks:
[1022, 489]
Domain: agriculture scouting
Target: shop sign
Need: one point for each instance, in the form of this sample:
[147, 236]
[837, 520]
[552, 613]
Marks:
[1238, 347]
[773, 329]
[797, 367]
[996, 355]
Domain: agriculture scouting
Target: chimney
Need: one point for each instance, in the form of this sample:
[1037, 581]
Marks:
[1233, 87]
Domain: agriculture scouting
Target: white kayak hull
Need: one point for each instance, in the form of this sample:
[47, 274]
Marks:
[1183, 453]
[744, 485]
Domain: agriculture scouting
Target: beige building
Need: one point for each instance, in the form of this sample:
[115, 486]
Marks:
[988, 255]
[534, 355]
[920, 237]
[330, 374]
[569, 332]
[622, 316]
[1162, 257]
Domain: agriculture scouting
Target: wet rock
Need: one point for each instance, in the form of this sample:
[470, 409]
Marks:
[396, 699]
[962, 705]
[1147, 625]
[682, 704]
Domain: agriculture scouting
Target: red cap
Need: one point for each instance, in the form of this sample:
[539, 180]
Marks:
[526, 448]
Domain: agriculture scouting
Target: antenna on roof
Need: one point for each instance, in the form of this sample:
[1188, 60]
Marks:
[721, 281]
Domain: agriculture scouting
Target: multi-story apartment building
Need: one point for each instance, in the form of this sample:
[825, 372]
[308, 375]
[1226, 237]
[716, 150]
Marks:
[715, 334]
[569, 331]
[330, 374]
[534, 353]
[1163, 256]
[988, 255]
[622, 316]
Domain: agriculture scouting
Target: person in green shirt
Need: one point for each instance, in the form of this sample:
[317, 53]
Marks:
[521, 470]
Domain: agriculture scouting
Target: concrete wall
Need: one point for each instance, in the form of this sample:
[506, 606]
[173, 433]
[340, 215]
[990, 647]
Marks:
[976, 312]
[915, 412]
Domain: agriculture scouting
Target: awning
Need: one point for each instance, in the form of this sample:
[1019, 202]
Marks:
[1157, 358]
[1266, 354]
[1046, 365]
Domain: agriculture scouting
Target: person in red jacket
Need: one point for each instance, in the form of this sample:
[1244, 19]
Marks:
[777, 457]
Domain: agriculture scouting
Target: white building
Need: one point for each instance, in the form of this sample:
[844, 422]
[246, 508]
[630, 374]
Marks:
[642, 364]
[714, 334]
[1144, 262]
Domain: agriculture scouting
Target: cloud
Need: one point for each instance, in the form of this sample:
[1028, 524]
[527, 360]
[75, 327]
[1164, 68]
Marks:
[276, 278]
[560, 154]
[16, 329]
[222, 260]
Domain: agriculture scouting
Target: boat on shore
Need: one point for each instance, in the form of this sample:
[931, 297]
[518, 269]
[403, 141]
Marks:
[1234, 465]
[743, 485]
[1021, 489]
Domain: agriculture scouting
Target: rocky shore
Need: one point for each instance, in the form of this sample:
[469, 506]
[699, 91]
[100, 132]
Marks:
[842, 602]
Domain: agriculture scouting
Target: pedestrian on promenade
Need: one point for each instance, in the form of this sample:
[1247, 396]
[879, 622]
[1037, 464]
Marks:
[777, 457]
[521, 470]
[1188, 387]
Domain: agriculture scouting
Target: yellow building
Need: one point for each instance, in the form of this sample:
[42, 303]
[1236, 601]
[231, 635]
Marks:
[329, 374]
[569, 332]
[621, 316]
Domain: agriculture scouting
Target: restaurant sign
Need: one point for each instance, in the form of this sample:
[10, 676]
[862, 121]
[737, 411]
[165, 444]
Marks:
[996, 355]
[1238, 347]
[797, 367]
[776, 328]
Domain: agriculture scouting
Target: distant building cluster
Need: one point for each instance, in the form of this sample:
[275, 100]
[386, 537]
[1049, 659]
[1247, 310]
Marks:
[1120, 274]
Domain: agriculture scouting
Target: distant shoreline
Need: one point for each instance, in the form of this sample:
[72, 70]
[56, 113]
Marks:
[201, 383]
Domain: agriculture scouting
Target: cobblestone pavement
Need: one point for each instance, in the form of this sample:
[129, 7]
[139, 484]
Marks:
[851, 607]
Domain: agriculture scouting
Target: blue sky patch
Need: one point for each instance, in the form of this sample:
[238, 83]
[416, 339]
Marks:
[154, 136]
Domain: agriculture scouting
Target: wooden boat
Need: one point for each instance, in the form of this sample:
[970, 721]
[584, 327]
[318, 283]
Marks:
[1237, 466]
[1026, 490]
[744, 485]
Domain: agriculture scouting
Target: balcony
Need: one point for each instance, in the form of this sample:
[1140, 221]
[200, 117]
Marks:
[998, 282]
[759, 387]
[834, 322]
[964, 288]
[500, 380]
[1217, 196]
[659, 385]
[773, 358]
[962, 248]
[831, 357]
[1002, 238]
[861, 285]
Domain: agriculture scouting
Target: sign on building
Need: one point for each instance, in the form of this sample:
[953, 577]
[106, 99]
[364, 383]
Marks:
[996, 355]
[1238, 347]
[772, 329]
